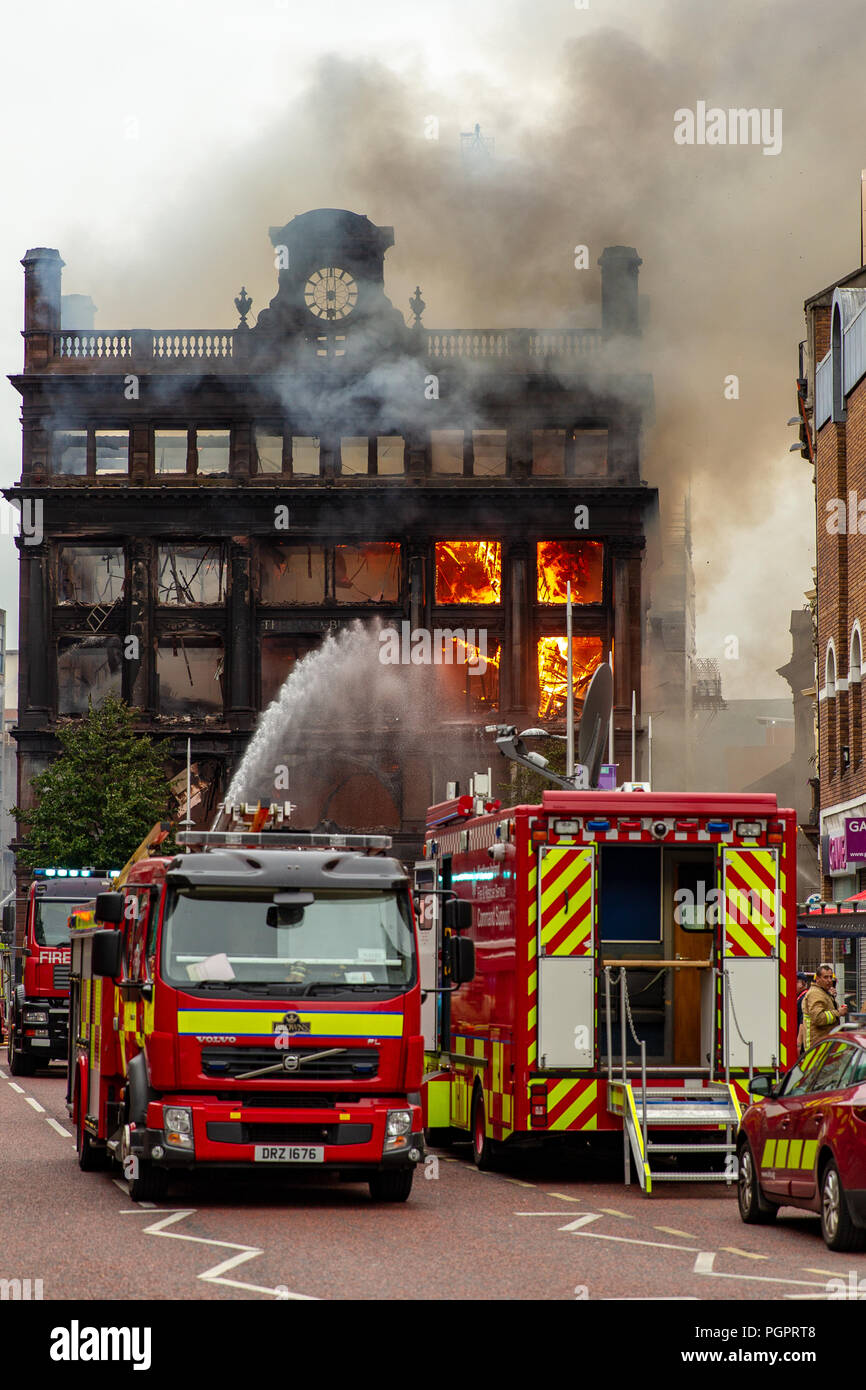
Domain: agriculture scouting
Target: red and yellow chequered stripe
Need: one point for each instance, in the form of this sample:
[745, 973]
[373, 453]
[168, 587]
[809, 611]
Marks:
[749, 894]
[566, 902]
[572, 1104]
[532, 948]
[785, 996]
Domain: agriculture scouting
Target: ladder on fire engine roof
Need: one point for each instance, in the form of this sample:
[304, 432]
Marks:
[682, 1109]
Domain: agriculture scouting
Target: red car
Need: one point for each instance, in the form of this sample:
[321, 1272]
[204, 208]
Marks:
[803, 1143]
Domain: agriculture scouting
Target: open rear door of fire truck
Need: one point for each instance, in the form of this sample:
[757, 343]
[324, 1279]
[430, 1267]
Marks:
[751, 907]
[566, 915]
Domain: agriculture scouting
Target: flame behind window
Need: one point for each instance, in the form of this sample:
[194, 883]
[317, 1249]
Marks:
[468, 572]
[587, 653]
[581, 562]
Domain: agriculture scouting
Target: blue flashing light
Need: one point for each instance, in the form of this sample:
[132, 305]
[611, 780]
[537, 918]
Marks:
[598, 825]
[719, 827]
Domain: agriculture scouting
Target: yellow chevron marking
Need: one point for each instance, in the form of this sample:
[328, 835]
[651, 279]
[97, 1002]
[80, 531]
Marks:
[583, 1101]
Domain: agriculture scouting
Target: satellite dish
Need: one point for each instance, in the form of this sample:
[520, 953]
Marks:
[594, 722]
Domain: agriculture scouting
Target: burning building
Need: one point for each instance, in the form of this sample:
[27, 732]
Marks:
[213, 504]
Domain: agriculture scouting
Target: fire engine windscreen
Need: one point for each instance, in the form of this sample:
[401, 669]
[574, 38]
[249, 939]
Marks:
[327, 940]
[51, 922]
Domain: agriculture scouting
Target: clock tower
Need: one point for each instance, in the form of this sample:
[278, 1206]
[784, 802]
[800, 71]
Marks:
[332, 282]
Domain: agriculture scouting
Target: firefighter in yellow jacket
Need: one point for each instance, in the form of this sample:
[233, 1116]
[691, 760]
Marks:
[821, 1013]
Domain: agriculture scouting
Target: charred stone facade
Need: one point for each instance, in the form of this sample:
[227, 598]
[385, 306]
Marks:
[211, 503]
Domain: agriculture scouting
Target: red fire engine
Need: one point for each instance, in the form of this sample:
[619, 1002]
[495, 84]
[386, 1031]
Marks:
[258, 1004]
[635, 965]
[38, 1005]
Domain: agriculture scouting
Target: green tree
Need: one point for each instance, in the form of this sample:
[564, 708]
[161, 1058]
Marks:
[97, 801]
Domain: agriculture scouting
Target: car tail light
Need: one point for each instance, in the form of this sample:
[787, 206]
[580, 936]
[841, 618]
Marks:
[539, 837]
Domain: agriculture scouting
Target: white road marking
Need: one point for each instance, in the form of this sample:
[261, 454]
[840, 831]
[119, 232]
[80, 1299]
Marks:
[581, 1221]
[764, 1279]
[704, 1262]
[35, 1104]
[16, 1087]
[56, 1125]
[629, 1240]
[3, 1076]
[214, 1274]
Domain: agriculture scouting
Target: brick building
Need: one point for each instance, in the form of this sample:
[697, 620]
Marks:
[833, 386]
[425, 475]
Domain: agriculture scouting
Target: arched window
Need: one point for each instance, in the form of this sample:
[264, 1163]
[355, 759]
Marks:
[830, 706]
[855, 693]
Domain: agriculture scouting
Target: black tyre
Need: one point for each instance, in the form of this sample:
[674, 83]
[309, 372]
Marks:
[755, 1210]
[483, 1148]
[392, 1187]
[91, 1156]
[149, 1184]
[837, 1228]
[19, 1065]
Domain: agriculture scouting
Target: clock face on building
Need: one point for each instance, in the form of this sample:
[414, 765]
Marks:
[330, 293]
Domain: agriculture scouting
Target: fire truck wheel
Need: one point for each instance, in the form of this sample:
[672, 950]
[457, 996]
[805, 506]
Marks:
[837, 1228]
[483, 1148]
[18, 1065]
[150, 1184]
[392, 1187]
[755, 1210]
[91, 1158]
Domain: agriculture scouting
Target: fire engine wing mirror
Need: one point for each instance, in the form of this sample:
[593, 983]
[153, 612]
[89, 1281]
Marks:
[109, 908]
[107, 957]
[457, 915]
[760, 1086]
[461, 960]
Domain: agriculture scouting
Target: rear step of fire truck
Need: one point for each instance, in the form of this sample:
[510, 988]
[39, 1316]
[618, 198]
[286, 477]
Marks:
[707, 1111]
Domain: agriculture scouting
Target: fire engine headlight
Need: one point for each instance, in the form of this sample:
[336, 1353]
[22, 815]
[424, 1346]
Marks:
[35, 1016]
[177, 1123]
[398, 1127]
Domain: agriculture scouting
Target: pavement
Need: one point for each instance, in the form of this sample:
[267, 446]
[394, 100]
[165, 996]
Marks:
[546, 1228]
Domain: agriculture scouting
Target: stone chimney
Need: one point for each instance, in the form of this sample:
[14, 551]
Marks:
[42, 267]
[619, 296]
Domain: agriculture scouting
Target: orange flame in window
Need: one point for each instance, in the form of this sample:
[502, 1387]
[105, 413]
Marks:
[580, 562]
[553, 671]
[468, 572]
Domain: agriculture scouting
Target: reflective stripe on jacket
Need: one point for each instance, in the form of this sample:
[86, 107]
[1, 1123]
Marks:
[820, 1015]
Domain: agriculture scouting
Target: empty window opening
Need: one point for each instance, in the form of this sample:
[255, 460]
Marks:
[390, 455]
[170, 451]
[469, 674]
[280, 656]
[191, 574]
[90, 574]
[269, 451]
[468, 572]
[112, 451]
[577, 562]
[69, 452]
[189, 671]
[305, 455]
[589, 452]
[291, 573]
[446, 451]
[367, 573]
[548, 453]
[213, 451]
[489, 453]
[88, 670]
[354, 454]
[587, 654]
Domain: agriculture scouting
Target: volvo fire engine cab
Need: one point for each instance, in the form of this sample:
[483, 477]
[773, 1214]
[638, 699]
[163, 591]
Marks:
[39, 997]
[635, 959]
[251, 1003]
